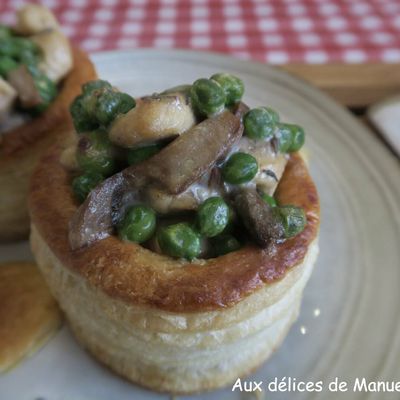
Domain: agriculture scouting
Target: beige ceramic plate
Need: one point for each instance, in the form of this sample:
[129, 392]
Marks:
[349, 322]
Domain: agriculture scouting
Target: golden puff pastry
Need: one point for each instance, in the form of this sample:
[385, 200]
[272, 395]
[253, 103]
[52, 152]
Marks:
[29, 314]
[21, 147]
[172, 325]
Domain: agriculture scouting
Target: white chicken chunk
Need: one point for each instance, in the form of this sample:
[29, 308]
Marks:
[271, 164]
[57, 55]
[154, 118]
[35, 18]
[190, 199]
[68, 157]
[7, 97]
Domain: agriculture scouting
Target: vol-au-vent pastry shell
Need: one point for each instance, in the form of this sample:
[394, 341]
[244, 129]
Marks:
[167, 324]
[21, 148]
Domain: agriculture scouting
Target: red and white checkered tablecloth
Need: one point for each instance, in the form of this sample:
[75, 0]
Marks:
[273, 31]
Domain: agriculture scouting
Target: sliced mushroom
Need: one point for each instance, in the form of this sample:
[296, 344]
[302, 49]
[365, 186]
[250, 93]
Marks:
[241, 109]
[7, 97]
[94, 218]
[258, 217]
[210, 184]
[189, 156]
[154, 117]
[35, 18]
[22, 81]
[173, 169]
[57, 55]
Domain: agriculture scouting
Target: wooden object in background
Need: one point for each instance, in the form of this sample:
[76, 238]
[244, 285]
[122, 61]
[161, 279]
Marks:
[353, 85]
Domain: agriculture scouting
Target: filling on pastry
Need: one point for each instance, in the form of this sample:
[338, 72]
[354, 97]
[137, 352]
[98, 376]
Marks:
[189, 172]
[34, 58]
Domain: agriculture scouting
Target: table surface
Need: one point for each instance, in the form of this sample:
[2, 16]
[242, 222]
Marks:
[274, 31]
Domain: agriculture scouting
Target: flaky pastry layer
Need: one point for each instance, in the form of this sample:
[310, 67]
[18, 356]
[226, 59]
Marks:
[176, 352]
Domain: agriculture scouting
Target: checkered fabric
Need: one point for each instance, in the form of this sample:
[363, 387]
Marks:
[273, 31]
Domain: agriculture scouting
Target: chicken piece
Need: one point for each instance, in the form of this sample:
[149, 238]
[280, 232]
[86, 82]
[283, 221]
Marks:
[22, 81]
[271, 164]
[195, 194]
[68, 157]
[57, 55]
[35, 18]
[7, 97]
[154, 118]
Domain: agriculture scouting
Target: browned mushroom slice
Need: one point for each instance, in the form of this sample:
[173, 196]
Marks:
[94, 218]
[258, 217]
[241, 109]
[174, 169]
[22, 81]
[189, 156]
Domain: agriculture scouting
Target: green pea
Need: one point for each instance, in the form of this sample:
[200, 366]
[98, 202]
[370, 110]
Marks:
[89, 103]
[293, 219]
[25, 44]
[110, 104]
[138, 225]
[82, 121]
[95, 153]
[136, 156]
[179, 240]
[212, 216]
[5, 32]
[284, 136]
[232, 219]
[224, 244]
[82, 185]
[23, 50]
[126, 103]
[208, 97]
[90, 86]
[47, 89]
[29, 59]
[298, 137]
[232, 86]
[259, 123]
[240, 168]
[14, 46]
[7, 64]
[104, 104]
[8, 48]
[268, 199]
